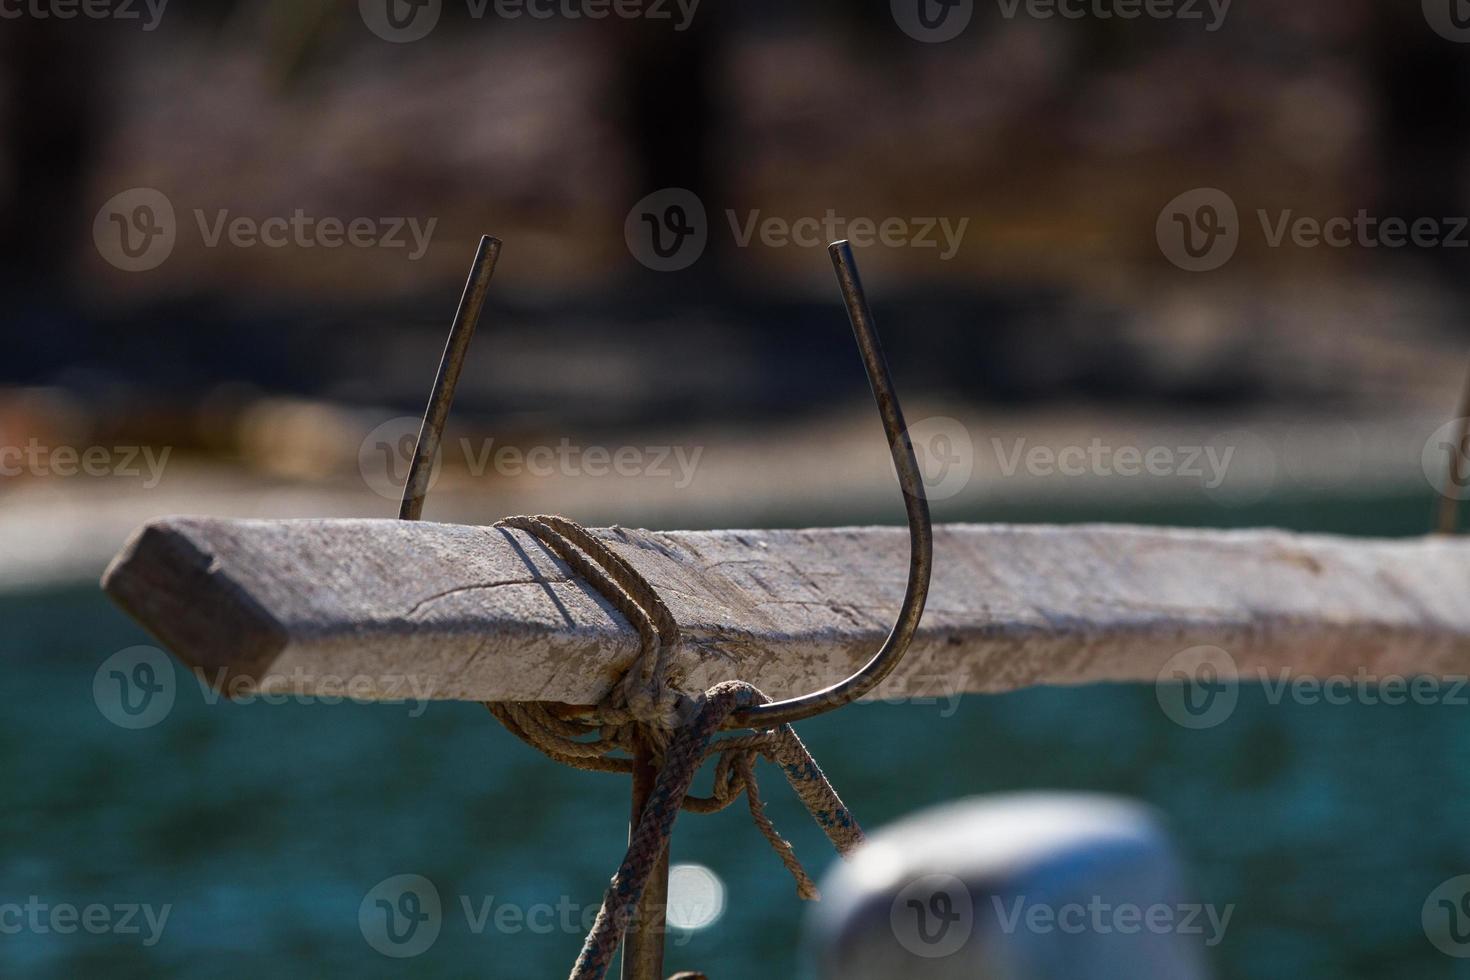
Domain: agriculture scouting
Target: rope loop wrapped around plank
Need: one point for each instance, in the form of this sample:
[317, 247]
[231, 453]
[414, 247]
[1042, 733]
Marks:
[646, 693]
[646, 704]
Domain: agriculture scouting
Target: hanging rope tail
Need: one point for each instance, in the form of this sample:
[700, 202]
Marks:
[646, 704]
[651, 837]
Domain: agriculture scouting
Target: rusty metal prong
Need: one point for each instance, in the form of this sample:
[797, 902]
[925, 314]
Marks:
[921, 532]
[643, 938]
[476, 287]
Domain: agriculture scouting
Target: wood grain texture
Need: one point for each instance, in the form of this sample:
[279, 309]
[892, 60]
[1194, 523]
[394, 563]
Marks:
[475, 613]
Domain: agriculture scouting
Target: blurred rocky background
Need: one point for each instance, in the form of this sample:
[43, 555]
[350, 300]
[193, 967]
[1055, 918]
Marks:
[1052, 143]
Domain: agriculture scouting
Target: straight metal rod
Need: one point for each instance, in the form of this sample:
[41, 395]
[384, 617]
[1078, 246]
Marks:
[460, 334]
[643, 940]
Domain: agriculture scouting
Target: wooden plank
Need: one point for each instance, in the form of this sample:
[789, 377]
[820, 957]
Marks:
[478, 613]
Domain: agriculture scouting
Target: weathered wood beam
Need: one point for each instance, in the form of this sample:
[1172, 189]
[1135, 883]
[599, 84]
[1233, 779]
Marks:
[477, 613]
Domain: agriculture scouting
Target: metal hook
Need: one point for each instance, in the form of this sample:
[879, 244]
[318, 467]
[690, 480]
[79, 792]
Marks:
[900, 446]
[471, 301]
[921, 531]
[643, 948]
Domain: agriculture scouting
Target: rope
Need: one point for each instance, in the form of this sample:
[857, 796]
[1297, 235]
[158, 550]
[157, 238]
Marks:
[647, 705]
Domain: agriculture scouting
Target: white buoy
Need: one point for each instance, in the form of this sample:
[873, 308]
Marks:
[1023, 887]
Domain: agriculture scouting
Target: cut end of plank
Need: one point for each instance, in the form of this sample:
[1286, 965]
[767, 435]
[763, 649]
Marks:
[177, 590]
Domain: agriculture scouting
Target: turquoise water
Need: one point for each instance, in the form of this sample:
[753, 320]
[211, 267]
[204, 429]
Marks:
[264, 826]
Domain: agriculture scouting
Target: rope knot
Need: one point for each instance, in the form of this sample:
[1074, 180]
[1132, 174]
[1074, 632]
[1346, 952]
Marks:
[659, 707]
[646, 704]
[647, 693]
